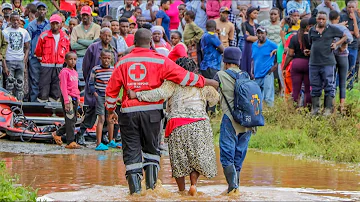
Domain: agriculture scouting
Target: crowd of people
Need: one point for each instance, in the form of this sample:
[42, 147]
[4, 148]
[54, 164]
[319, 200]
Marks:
[129, 61]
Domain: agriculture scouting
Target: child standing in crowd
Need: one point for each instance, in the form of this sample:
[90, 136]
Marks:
[3, 47]
[70, 99]
[18, 7]
[17, 55]
[234, 138]
[51, 49]
[98, 81]
[192, 34]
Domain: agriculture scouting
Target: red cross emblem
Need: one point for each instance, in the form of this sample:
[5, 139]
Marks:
[137, 71]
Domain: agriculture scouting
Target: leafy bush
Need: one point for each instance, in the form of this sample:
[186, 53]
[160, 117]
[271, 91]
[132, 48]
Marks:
[293, 130]
[10, 192]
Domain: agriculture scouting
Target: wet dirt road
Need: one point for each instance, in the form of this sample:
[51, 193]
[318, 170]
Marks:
[93, 176]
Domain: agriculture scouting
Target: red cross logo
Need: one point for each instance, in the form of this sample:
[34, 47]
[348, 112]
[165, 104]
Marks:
[137, 71]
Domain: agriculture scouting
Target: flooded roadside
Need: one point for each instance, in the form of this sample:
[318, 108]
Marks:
[263, 177]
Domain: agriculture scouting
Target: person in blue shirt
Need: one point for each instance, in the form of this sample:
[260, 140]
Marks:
[212, 49]
[35, 28]
[264, 64]
[162, 19]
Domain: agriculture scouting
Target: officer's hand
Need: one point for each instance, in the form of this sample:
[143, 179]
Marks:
[112, 117]
[131, 94]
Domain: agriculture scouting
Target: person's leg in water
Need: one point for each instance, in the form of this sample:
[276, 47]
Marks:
[180, 183]
[194, 176]
[227, 143]
[240, 152]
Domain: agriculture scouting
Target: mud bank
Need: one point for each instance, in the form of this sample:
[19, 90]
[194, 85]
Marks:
[46, 148]
[205, 193]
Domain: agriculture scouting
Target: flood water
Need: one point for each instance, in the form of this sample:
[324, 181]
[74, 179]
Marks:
[63, 173]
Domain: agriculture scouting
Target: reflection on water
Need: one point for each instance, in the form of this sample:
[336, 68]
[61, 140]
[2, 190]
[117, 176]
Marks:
[57, 173]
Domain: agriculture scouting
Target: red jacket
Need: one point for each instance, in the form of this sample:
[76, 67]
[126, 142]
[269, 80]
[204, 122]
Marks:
[45, 49]
[144, 69]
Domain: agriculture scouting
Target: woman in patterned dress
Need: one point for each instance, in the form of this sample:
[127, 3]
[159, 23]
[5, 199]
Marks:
[190, 135]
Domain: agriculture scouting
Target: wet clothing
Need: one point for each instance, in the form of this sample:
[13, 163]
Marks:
[190, 126]
[191, 148]
[233, 146]
[143, 69]
[140, 139]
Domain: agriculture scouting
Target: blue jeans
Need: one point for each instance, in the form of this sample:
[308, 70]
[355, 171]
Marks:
[352, 72]
[233, 147]
[267, 88]
[322, 77]
[79, 63]
[34, 76]
[241, 42]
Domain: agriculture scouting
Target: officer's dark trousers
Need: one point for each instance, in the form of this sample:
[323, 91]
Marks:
[140, 138]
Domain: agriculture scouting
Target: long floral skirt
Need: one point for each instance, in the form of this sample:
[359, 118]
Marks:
[191, 148]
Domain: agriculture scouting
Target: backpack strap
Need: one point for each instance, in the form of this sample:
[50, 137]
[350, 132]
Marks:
[227, 103]
[231, 73]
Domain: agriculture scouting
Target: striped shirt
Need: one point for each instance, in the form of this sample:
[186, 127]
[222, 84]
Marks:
[99, 79]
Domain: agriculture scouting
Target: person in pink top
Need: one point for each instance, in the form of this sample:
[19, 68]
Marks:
[70, 99]
[213, 7]
[173, 13]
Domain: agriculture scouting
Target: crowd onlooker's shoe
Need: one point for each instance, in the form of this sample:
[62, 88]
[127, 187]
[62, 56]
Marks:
[113, 144]
[101, 147]
[73, 145]
[41, 101]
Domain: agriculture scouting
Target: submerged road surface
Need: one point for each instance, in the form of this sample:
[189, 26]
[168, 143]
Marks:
[86, 175]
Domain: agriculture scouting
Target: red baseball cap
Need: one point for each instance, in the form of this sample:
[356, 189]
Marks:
[55, 18]
[86, 10]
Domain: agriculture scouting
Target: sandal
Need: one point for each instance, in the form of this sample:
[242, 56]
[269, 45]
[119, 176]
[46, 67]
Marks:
[57, 139]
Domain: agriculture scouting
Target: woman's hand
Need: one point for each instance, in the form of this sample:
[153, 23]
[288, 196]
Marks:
[131, 94]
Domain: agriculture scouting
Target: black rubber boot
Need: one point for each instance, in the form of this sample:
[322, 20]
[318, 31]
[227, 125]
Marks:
[231, 177]
[315, 105]
[134, 181]
[328, 105]
[151, 175]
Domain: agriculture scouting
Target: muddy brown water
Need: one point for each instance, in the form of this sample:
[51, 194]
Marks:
[72, 172]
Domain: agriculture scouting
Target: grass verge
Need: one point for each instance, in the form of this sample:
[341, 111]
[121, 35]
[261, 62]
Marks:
[9, 191]
[295, 131]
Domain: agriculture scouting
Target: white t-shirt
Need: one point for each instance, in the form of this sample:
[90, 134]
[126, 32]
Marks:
[57, 39]
[146, 13]
[16, 39]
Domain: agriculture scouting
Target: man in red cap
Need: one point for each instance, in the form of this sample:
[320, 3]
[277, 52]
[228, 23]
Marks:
[82, 36]
[50, 50]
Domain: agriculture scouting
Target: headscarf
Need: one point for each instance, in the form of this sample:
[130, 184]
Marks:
[159, 29]
[250, 10]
